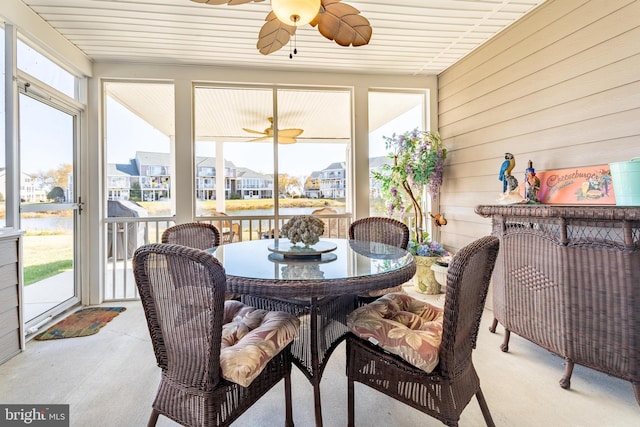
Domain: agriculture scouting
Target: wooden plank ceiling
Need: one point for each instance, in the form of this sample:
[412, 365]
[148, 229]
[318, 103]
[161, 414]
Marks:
[410, 37]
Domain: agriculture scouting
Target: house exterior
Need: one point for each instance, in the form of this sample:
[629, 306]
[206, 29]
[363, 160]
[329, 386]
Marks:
[155, 175]
[31, 189]
[312, 186]
[253, 185]
[151, 173]
[333, 181]
[206, 178]
[120, 180]
[147, 177]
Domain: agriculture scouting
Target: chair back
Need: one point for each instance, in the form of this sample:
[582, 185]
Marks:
[230, 230]
[332, 226]
[382, 230]
[183, 292]
[193, 234]
[468, 280]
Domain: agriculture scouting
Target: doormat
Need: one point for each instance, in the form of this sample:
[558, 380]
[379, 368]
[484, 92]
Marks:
[87, 321]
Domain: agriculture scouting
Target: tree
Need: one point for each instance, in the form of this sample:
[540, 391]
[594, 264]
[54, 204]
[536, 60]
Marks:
[135, 193]
[312, 183]
[287, 183]
[56, 194]
[47, 180]
[60, 176]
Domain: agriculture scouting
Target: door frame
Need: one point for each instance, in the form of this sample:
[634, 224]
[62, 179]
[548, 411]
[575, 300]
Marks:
[40, 92]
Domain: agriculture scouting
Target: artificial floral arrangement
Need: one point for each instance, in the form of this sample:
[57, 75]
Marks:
[418, 159]
[427, 248]
[303, 228]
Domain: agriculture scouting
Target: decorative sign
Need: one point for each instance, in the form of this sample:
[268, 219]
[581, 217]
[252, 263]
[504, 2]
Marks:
[590, 185]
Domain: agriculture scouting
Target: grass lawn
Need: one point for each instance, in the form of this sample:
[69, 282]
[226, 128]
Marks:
[45, 255]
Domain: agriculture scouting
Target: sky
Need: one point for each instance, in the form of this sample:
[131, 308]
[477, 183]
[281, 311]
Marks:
[45, 132]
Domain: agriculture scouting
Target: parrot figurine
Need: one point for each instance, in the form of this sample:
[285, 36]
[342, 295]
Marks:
[505, 170]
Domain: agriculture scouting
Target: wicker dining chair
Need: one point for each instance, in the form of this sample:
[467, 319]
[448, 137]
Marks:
[382, 230]
[444, 392]
[230, 230]
[193, 234]
[217, 357]
[332, 226]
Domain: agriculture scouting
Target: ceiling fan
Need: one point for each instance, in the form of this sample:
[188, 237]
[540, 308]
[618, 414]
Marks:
[285, 136]
[335, 20]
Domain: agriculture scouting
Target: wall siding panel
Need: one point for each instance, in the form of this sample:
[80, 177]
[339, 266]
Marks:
[560, 87]
[544, 46]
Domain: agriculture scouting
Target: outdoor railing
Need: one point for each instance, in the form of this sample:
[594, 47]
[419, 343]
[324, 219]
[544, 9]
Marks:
[131, 233]
[123, 236]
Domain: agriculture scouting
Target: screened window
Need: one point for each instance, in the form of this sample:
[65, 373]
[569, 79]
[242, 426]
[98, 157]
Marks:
[139, 120]
[39, 66]
[312, 143]
[389, 113]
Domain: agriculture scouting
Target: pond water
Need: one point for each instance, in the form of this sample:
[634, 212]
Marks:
[44, 224]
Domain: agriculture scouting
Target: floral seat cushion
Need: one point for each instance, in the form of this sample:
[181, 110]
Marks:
[251, 337]
[402, 325]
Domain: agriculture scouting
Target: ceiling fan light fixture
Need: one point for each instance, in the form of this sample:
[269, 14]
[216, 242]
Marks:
[295, 12]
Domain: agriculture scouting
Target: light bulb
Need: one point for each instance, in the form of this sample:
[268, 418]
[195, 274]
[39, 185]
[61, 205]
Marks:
[295, 12]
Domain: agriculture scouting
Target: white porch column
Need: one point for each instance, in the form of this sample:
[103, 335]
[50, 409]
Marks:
[221, 180]
[361, 152]
[182, 171]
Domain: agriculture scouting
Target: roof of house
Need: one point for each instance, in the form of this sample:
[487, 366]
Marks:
[151, 158]
[248, 173]
[128, 169]
[335, 166]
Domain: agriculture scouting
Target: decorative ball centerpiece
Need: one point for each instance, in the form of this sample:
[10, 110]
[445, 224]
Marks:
[305, 229]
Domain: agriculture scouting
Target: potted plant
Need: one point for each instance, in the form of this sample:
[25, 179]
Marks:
[414, 173]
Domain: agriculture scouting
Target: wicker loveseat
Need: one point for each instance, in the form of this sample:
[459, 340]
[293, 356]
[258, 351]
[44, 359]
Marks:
[568, 279]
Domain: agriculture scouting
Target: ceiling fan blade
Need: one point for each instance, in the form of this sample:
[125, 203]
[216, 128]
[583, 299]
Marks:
[264, 138]
[289, 132]
[286, 140]
[229, 2]
[343, 24]
[281, 139]
[274, 35]
[253, 131]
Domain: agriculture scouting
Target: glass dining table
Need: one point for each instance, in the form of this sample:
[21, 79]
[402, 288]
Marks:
[319, 285]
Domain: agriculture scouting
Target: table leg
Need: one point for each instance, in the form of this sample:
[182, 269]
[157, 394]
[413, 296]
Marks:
[323, 328]
[315, 362]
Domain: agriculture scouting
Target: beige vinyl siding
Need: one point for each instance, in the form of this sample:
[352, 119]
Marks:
[561, 87]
